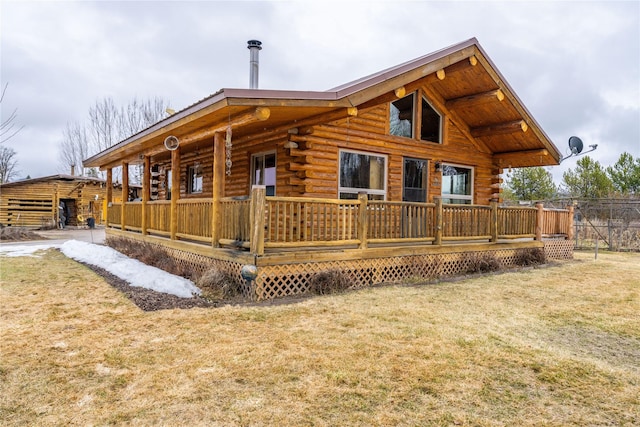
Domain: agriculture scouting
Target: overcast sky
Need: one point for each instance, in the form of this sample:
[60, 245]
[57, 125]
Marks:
[575, 65]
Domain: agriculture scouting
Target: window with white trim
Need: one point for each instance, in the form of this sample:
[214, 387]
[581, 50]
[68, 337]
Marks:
[457, 184]
[194, 185]
[362, 172]
[414, 188]
[263, 171]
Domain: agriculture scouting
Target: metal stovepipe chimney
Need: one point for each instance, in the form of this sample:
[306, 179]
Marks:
[254, 47]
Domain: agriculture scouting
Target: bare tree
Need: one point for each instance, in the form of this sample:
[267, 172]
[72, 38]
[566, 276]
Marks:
[8, 126]
[8, 164]
[108, 125]
[74, 147]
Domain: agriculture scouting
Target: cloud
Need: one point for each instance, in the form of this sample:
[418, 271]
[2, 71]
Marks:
[575, 65]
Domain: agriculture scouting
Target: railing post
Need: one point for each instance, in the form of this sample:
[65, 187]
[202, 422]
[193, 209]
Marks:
[439, 216]
[258, 205]
[363, 220]
[125, 195]
[570, 231]
[146, 192]
[109, 199]
[539, 221]
[218, 187]
[175, 192]
[494, 221]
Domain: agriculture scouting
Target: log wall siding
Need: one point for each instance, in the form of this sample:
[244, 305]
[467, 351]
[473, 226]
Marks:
[35, 204]
[311, 168]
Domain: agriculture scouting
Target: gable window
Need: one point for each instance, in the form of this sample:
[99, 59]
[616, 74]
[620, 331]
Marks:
[195, 179]
[457, 184]
[401, 117]
[263, 171]
[362, 172]
[403, 114]
[414, 187]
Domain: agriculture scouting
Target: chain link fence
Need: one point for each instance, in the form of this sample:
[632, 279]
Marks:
[612, 224]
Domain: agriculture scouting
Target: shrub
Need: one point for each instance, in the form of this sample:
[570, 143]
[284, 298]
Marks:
[482, 263]
[527, 257]
[149, 254]
[217, 284]
[329, 282]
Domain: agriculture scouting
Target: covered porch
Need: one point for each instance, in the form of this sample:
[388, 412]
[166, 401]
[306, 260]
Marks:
[289, 239]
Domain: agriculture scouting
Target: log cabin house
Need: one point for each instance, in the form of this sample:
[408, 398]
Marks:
[33, 203]
[394, 175]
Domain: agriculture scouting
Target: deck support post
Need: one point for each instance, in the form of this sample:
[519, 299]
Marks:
[175, 192]
[146, 192]
[125, 195]
[218, 186]
[258, 206]
[363, 220]
[109, 199]
[539, 221]
[439, 216]
[494, 221]
[571, 230]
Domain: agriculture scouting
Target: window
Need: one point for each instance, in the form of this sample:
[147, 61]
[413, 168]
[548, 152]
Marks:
[402, 119]
[168, 180]
[430, 124]
[263, 172]
[457, 184]
[195, 179]
[414, 180]
[361, 172]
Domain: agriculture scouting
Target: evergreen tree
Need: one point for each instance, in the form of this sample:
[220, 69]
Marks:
[625, 174]
[534, 183]
[588, 181]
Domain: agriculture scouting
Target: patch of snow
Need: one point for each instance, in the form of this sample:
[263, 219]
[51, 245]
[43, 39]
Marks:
[24, 250]
[132, 271]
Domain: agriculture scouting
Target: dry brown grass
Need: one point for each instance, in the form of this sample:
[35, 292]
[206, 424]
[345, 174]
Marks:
[552, 346]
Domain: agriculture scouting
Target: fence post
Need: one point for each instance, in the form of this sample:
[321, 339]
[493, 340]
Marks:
[539, 221]
[570, 231]
[125, 195]
[494, 221]
[258, 205]
[438, 236]
[363, 220]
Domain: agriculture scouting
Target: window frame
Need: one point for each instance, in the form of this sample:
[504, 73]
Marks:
[417, 116]
[462, 197]
[426, 179]
[264, 154]
[355, 190]
[195, 172]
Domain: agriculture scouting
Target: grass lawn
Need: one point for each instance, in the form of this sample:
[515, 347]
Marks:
[551, 346]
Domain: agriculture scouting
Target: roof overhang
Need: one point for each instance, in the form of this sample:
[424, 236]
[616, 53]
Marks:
[460, 79]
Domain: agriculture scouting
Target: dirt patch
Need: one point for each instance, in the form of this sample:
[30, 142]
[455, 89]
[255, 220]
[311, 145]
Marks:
[18, 234]
[150, 300]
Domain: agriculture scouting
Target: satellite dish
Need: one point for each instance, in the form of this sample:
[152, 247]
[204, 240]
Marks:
[575, 145]
[171, 142]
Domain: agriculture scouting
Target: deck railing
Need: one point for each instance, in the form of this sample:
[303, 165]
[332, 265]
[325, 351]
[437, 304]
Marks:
[263, 222]
[158, 214]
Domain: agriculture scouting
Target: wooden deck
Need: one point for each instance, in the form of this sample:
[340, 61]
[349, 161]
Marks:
[291, 239]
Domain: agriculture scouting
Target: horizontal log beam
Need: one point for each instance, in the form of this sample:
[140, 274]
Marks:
[259, 114]
[514, 158]
[500, 129]
[475, 99]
